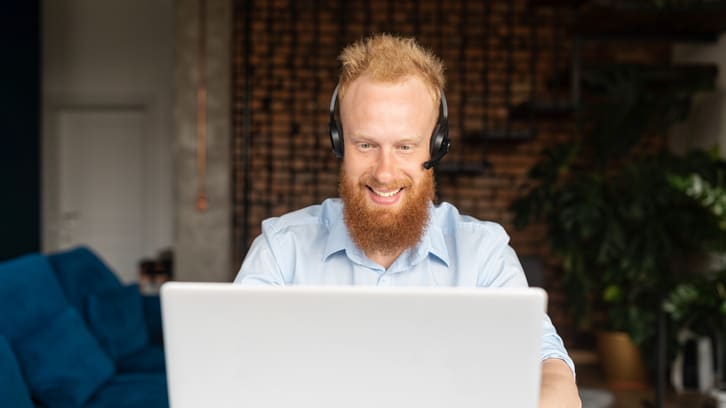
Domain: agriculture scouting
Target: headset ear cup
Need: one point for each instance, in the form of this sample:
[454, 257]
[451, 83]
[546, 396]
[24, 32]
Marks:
[336, 139]
[336, 131]
[445, 144]
[436, 140]
[439, 144]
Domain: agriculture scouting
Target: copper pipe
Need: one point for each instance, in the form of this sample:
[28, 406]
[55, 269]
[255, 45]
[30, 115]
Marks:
[202, 203]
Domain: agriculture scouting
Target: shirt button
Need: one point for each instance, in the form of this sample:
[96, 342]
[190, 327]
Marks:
[385, 280]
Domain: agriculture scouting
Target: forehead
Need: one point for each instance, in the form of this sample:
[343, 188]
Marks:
[366, 85]
[409, 97]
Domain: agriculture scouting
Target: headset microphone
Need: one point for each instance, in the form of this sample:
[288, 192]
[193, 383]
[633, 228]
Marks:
[439, 155]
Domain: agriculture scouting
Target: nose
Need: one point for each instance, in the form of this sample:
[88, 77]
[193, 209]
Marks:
[385, 167]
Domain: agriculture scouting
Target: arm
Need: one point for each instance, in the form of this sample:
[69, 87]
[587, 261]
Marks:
[558, 388]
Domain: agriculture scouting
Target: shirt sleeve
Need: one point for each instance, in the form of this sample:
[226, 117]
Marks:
[509, 273]
[260, 266]
[552, 345]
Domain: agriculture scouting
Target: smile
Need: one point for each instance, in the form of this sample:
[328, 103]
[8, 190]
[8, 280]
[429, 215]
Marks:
[386, 194]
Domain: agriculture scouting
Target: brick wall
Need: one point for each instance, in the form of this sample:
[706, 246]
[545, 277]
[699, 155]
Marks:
[498, 54]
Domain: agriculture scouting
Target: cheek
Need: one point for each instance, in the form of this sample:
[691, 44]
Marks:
[354, 168]
[414, 170]
[357, 162]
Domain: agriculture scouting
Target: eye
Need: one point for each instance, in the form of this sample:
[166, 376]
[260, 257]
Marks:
[364, 146]
[405, 147]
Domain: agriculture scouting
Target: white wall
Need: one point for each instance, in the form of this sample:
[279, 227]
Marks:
[706, 126]
[111, 55]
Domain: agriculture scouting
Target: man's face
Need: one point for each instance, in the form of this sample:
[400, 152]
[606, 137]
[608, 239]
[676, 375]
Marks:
[385, 188]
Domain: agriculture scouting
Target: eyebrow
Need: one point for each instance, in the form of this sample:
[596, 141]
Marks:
[411, 141]
[404, 140]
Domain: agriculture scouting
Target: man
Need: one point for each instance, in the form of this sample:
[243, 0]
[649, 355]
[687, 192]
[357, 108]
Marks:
[385, 230]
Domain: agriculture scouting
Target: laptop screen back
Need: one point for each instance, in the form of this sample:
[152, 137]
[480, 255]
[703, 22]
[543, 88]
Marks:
[235, 346]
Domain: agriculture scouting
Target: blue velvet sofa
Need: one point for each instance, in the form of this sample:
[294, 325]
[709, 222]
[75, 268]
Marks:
[72, 335]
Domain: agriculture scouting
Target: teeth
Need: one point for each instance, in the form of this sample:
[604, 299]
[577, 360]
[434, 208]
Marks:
[389, 194]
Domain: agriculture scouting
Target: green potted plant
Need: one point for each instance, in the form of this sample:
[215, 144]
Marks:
[698, 305]
[621, 227]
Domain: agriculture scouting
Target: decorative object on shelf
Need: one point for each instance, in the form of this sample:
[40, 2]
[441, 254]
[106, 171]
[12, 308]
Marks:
[719, 395]
[155, 272]
[692, 369]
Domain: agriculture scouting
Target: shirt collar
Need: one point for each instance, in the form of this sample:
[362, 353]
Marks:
[339, 239]
[437, 243]
[432, 243]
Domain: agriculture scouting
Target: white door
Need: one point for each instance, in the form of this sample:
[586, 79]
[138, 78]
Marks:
[101, 184]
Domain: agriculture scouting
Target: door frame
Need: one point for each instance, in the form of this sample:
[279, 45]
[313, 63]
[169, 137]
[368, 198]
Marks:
[53, 107]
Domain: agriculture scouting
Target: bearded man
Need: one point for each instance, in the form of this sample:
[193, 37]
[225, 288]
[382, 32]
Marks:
[385, 230]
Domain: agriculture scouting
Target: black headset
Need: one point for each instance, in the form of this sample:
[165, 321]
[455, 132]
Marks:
[439, 144]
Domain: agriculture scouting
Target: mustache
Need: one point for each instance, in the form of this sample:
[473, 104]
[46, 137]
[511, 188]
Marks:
[370, 181]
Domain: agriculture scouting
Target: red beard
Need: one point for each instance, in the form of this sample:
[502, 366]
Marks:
[381, 230]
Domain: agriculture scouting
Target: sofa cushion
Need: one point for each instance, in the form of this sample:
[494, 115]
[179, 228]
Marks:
[150, 359]
[132, 391]
[62, 362]
[116, 318]
[152, 316]
[13, 391]
[81, 272]
[29, 295]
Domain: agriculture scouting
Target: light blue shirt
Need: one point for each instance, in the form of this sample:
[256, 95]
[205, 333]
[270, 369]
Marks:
[312, 246]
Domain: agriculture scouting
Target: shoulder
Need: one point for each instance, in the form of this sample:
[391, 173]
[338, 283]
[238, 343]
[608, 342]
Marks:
[480, 249]
[452, 223]
[311, 217]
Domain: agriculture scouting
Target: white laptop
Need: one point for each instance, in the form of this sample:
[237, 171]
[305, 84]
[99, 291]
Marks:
[351, 347]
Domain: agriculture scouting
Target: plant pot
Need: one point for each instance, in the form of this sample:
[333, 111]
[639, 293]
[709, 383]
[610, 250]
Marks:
[621, 361]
